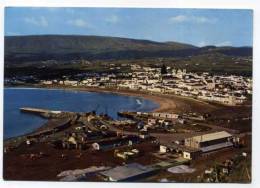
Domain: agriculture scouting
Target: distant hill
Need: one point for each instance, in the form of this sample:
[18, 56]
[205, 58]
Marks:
[65, 47]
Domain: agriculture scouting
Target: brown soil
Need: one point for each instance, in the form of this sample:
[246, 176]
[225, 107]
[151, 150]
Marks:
[19, 166]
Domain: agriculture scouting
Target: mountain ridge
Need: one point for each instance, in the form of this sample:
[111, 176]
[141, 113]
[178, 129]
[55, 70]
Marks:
[91, 47]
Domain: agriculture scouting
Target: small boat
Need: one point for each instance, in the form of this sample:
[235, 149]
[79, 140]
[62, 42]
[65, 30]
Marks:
[138, 101]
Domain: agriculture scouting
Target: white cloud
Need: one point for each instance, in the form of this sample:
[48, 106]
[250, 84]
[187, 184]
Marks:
[78, 23]
[50, 9]
[192, 19]
[112, 19]
[40, 21]
[225, 43]
[203, 43]
[179, 19]
[53, 9]
[10, 33]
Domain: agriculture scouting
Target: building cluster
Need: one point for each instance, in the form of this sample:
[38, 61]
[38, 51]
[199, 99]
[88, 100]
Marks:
[204, 144]
[225, 89]
[161, 121]
[129, 151]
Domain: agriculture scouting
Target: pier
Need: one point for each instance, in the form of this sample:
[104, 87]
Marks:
[37, 110]
[51, 114]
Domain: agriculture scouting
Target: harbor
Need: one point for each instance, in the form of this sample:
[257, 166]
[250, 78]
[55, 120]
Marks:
[123, 146]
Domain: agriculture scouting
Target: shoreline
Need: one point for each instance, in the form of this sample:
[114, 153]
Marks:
[166, 103]
[160, 104]
[163, 103]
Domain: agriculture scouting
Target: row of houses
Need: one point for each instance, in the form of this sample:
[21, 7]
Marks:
[229, 90]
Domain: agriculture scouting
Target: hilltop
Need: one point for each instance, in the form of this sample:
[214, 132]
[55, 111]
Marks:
[68, 47]
[29, 54]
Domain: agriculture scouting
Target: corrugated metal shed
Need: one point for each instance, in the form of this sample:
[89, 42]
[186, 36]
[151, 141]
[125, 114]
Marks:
[128, 172]
[216, 147]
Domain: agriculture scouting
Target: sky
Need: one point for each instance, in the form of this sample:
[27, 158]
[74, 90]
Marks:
[199, 27]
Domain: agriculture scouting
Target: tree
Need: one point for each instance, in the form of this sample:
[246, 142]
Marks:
[163, 69]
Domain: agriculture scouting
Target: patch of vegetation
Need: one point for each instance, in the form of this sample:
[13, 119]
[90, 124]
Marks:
[93, 53]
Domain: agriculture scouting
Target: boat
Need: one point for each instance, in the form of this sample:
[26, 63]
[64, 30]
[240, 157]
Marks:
[138, 101]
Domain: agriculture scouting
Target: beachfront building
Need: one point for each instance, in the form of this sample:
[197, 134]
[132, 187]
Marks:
[70, 83]
[46, 82]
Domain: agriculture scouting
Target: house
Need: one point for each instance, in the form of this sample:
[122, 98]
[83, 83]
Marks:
[165, 115]
[163, 149]
[115, 142]
[224, 99]
[191, 154]
[126, 154]
[129, 172]
[70, 83]
[155, 89]
[211, 85]
[151, 121]
[181, 121]
[186, 152]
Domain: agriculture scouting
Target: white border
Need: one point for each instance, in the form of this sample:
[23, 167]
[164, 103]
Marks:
[228, 4]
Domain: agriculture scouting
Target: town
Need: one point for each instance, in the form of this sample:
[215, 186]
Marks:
[128, 94]
[206, 146]
[225, 89]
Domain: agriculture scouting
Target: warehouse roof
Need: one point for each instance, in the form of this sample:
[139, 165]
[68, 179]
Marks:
[211, 136]
[129, 171]
[216, 147]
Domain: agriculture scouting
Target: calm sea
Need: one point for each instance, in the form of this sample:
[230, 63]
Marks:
[17, 123]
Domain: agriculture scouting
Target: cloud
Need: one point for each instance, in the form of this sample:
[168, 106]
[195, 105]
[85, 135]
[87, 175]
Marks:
[204, 20]
[112, 19]
[40, 21]
[179, 19]
[10, 33]
[225, 43]
[205, 43]
[78, 23]
[52, 9]
[192, 19]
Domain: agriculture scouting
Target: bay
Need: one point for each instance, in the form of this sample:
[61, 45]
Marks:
[17, 123]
